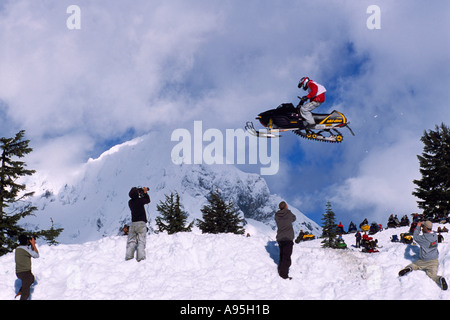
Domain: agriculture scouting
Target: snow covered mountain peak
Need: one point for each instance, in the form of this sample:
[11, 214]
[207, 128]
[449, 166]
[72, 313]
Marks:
[96, 203]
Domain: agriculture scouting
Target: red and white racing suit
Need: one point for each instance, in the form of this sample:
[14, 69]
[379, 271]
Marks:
[316, 97]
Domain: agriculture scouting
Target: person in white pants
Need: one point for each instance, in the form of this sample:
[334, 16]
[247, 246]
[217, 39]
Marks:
[138, 230]
[316, 97]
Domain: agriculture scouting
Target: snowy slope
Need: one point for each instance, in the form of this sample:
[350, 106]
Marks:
[225, 266]
[94, 204]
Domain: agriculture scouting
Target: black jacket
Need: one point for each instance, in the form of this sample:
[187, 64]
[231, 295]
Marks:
[284, 219]
[136, 205]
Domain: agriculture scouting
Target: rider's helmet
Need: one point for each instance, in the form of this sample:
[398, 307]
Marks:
[303, 83]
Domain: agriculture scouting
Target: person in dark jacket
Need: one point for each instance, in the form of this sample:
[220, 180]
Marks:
[358, 239]
[285, 238]
[138, 230]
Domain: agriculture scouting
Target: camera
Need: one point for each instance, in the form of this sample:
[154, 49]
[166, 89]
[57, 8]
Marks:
[25, 239]
[141, 191]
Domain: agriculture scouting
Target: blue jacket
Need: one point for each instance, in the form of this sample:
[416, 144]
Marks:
[428, 245]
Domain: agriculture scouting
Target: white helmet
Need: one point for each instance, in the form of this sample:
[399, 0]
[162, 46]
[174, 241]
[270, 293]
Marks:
[303, 83]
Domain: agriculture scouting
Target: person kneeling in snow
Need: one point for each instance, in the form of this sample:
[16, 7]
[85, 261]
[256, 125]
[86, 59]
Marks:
[429, 254]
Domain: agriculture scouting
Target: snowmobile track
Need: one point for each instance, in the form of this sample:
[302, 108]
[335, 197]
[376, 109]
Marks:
[318, 137]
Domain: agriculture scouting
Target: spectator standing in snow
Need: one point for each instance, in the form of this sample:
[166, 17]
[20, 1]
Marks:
[340, 228]
[285, 238]
[137, 234]
[24, 252]
[358, 239]
[429, 254]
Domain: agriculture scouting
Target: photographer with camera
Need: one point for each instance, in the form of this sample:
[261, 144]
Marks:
[138, 230]
[23, 254]
[429, 255]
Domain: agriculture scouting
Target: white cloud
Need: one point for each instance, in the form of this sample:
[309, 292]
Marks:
[383, 183]
[104, 78]
[57, 160]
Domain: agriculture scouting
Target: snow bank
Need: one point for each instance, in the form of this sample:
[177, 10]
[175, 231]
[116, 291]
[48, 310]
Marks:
[225, 266]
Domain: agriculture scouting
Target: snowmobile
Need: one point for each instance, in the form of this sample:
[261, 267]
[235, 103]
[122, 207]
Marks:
[304, 237]
[340, 244]
[287, 118]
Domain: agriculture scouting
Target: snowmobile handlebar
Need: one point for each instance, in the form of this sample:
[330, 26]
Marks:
[302, 101]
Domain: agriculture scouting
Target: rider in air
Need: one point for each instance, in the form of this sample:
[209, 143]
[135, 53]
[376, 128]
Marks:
[316, 97]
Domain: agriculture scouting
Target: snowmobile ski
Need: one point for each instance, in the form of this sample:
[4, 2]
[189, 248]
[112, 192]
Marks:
[249, 127]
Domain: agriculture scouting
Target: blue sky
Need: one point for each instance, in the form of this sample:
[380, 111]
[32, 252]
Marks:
[161, 65]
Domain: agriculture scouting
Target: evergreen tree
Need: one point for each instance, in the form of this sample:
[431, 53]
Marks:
[220, 217]
[434, 187]
[12, 194]
[173, 217]
[51, 234]
[329, 228]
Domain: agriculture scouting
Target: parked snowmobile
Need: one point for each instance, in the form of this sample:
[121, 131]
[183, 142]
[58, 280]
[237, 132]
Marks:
[340, 244]
[286, 118]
